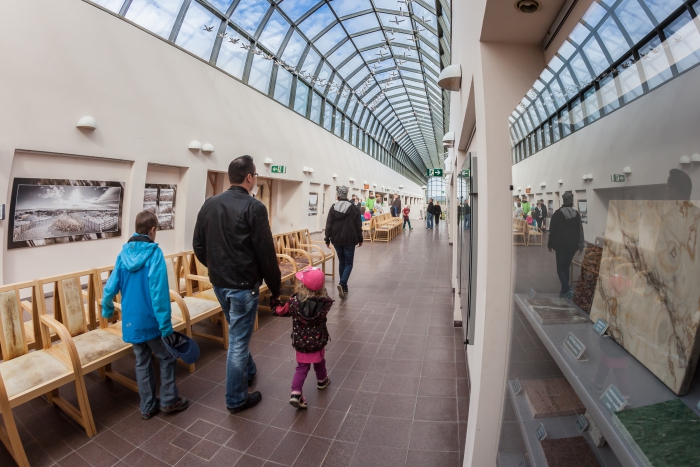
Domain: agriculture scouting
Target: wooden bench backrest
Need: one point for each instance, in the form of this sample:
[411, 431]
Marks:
[13, 341]
[69, 302]
[173, 266]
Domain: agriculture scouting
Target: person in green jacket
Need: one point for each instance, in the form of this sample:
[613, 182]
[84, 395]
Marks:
[369, 204]
[526, 206]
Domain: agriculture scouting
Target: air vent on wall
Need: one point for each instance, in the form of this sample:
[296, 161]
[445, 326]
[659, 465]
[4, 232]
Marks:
[527, 6]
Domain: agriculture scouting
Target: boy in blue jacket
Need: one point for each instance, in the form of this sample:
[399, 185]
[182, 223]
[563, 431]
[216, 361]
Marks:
[141, 277]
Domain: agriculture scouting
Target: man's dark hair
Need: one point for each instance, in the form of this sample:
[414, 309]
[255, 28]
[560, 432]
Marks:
[679, 185]
[240, 168]
[145, 221]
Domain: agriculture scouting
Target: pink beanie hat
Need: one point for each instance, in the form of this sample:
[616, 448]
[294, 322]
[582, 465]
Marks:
[312, 278]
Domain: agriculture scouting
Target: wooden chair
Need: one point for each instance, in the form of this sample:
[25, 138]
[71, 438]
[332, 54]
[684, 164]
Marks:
[367, 232]
[26, 375]
[519, 234]
[327, 253]
[96, 348]
[533, 232]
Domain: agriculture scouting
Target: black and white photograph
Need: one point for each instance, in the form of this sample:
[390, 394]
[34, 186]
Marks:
[45, 211]
[313, 204]
[160, 199]
[583, 210]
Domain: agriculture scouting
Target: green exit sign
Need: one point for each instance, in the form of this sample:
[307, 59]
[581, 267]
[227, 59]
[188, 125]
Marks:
[465, 173]
[278, 169]
[434, 172]
[618, 178]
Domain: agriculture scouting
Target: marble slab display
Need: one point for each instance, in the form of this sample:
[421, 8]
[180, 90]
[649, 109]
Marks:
[665, 434]
[568, 452]
[551, 397]
[555, 311]
[594, 431]
[588, 278]
[649, 286]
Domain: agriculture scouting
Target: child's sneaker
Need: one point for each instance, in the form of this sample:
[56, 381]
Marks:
[323, 384]
[298, 401]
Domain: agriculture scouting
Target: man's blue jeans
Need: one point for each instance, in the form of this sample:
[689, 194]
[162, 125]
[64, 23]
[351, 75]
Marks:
[467, 221]
[240, 307]
[429, 221]
[146, 378]
[346, 255]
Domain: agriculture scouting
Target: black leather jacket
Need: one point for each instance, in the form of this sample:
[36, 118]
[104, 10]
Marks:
[232, 238]
[343, 226]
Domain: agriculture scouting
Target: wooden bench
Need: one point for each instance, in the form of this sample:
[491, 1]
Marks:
[519, 231]
[305, 251]
[386, 227]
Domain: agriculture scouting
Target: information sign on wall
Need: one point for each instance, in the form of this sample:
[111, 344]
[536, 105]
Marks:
[278, 169]
[366, 185]
[617, 178]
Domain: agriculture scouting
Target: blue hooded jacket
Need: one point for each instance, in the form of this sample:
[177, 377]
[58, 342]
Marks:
[141, 277]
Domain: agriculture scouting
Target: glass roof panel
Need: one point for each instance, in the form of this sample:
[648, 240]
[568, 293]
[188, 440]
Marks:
[594, 15]
[311, 62]
[330, 39]
[295, 9]
[232, 56]
[193, 36]
[346, 7]
[634, 19]
[294, 48]
[317, 22]
[403, 52]
[274, 32]
[343, 52]
[361, 23]
[111, 5]
[351, 66]
[366, 40]
[579, 34]
[322, 77]
[430, 37]
[613, 39]
[156, 16]
[249, 13]
[595, 55]
[662, 8]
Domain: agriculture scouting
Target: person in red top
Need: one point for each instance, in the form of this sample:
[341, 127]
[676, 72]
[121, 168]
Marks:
[406, 220]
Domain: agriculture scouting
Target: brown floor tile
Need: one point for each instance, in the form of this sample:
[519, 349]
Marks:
[289, 448]
[438, 387]
[434, 436]
[340, 454]
[432, 458]
[388, 432]
[375, 456]
[395, 406]
[313, 453]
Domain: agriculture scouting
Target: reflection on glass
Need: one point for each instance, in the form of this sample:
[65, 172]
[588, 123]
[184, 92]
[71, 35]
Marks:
[330, 39]
[274, 32]
[565, 123]
[315, 114]
[301, 98]
[613, 39]
[111, 5]
[596, 57]
[338, 120]
[158, 16]
[249, 13]
[594, 14]
[317, 22]
[634, 19]
[328, 117]
[283, 86]
[630, 83]
[221, 5]
[294, 48]
[192, 36]
[232, 56]
[260, 74]
[662, 8]
[361, 23]
[311, 62]
[295, 9]
[655, 63]
[341, 54]
[683, 41]
[351, 66]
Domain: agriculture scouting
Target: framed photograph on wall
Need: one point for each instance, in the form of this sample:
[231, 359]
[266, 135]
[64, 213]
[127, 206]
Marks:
[48, 211]
[160, 199]
[583, 210]
[313, 204]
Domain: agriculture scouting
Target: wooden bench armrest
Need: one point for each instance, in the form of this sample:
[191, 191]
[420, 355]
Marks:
[67, 340]
[303, 252]
[26, 306]
[182, 305]
[290, 259]
[195, 277]
[306, 245]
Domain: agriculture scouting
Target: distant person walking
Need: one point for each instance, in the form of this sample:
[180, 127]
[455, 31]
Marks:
[406, 219]
[467, 210]
[565, 237]
[370, 204]
[344, 230]
[232, 238]
[430, 210]
[526, 206]
[396, 206]
[437, 213]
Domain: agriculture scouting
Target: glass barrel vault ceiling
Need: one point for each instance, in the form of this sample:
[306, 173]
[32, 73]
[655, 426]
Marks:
[619, 51]
[366, 70]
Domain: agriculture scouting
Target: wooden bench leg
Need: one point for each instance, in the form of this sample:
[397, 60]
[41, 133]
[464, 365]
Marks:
[10, 437]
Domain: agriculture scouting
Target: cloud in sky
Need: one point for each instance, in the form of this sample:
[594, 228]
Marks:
[67, 197]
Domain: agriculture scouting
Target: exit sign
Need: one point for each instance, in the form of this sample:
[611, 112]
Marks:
[278, 169]
[434, 172]
[465, 173]
[618, 178]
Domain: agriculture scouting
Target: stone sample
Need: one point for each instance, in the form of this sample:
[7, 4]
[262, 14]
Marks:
[664, 434]
[551, 397]
[588, 278]
[594, 431]
[648, 286]
[555, 311]
[568, 452]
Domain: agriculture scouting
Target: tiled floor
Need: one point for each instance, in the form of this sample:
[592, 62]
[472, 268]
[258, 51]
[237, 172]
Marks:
[399, 394]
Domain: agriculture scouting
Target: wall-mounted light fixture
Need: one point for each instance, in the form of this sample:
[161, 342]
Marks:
[195, 146]
[87, 123]
[589, 177]
[448, 141]
[543, 184]
[560, 181]
[335, 175]
[695, 157]
[450, 78]
[374, 185]
[520, 188]
[268, 161]
[207, 148]
[351, 179]
[627, 171]
[400, 186]
[311, 170]
[584, 177]
[685, 160]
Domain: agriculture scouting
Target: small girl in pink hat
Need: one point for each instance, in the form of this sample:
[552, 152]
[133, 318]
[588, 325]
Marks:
[309, 308]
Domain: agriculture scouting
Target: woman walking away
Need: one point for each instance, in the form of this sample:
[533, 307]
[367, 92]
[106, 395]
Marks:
[406, 220]
[309, 308]
[437, 213]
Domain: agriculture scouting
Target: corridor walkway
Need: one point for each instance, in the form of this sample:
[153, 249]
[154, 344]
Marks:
[399, 395]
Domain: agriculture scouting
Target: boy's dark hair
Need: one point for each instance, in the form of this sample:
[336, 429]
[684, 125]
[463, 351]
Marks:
[145, 221]
[240, 168]
[362, 210]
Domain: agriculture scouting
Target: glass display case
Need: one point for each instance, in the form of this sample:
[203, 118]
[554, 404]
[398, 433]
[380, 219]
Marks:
[605, 327]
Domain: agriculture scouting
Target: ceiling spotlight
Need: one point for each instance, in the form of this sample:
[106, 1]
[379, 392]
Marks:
[527, 6]
[207, 148]
[86, 123]
[195, 145]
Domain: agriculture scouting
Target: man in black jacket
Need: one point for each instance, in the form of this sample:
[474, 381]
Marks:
[467, 215]
[344, 230]
[565, 237]
[232, 238]
[430, 211]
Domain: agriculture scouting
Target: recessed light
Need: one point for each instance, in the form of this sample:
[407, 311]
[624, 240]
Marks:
[527, 6]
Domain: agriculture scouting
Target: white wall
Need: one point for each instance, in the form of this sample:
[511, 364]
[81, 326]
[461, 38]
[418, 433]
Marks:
[150, 100]
[648, 135]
